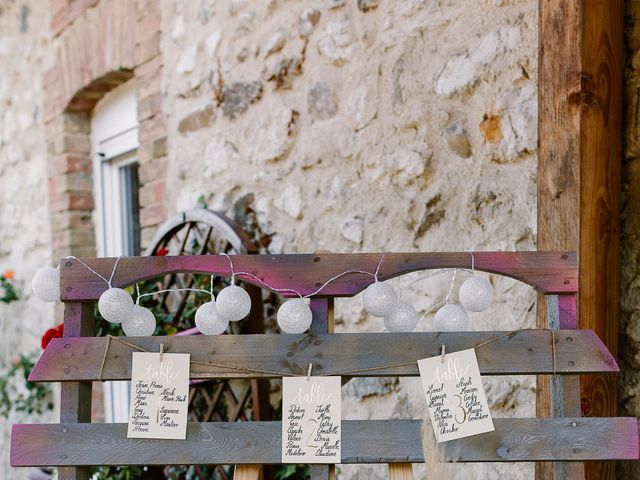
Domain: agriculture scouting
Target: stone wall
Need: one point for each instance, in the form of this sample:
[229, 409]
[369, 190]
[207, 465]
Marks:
[25, 239]
[366, 126]
[630, 234]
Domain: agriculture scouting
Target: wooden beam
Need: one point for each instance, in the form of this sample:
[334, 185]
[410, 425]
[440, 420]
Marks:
[387, 441]
[345, 354]
[549, 272]
[581, 58]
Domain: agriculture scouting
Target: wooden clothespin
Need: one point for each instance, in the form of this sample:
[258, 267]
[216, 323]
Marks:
[442, 353]
[309, 371]
[161, 351]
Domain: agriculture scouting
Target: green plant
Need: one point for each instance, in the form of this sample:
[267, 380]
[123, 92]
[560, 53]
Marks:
[8, 291]
[293, 472]
[18, 394]
[121, 473]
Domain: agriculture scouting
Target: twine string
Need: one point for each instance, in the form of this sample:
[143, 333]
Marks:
[553, 350]
[341, 374]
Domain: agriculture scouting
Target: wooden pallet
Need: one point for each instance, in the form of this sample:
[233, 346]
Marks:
[567, 439]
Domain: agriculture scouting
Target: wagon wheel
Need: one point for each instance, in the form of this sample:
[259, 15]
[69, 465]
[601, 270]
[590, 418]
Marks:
[202, 232]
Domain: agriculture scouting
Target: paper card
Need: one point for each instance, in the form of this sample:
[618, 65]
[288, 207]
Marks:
[455, 396]
[159, 393]
[311, 420]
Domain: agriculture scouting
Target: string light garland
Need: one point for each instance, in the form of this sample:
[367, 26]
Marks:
[115, 305]
[209, 321]
[46, 284]
[402, 317]
[294, 316]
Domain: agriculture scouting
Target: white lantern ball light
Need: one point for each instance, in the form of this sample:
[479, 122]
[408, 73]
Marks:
[209, 321]
[451, 318]
[379, 298]
[115, 305]
[140, 322]
[294, 316]
[402, 317]
[46, 284]
[233, 303]
[476, 294]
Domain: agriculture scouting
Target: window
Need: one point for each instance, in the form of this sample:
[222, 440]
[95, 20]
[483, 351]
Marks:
[114, 128]
[114, 138]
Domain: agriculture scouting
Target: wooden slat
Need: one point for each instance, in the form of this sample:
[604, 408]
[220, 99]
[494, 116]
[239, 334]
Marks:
[350, 354]
[363, 441]
[555, 439]
[549, 272]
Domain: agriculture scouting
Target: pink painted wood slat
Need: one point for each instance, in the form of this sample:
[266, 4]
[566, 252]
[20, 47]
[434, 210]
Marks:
[548, 272]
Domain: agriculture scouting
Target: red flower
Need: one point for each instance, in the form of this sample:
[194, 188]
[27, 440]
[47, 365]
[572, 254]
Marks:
[50, 334]
[161, 252]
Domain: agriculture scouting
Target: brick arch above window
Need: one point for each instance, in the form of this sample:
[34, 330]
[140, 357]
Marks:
[101, 44]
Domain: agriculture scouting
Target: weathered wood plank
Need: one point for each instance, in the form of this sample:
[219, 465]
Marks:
[363, 441]
[75, 397]
[549, 272]
[555, 439]
[347, 354]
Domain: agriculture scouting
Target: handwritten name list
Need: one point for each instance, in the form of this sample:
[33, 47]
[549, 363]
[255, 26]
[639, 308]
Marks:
[159, 392]
[455, 396]
[311, 420]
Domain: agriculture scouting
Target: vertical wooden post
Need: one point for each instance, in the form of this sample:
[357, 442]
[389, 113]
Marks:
[323, 322]
[564, 395]
[247, 472]
[400, 471]
[581, 59]
[75, 397]
[259, 388]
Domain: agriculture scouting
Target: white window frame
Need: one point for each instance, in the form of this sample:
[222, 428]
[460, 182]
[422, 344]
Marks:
[114, 140]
